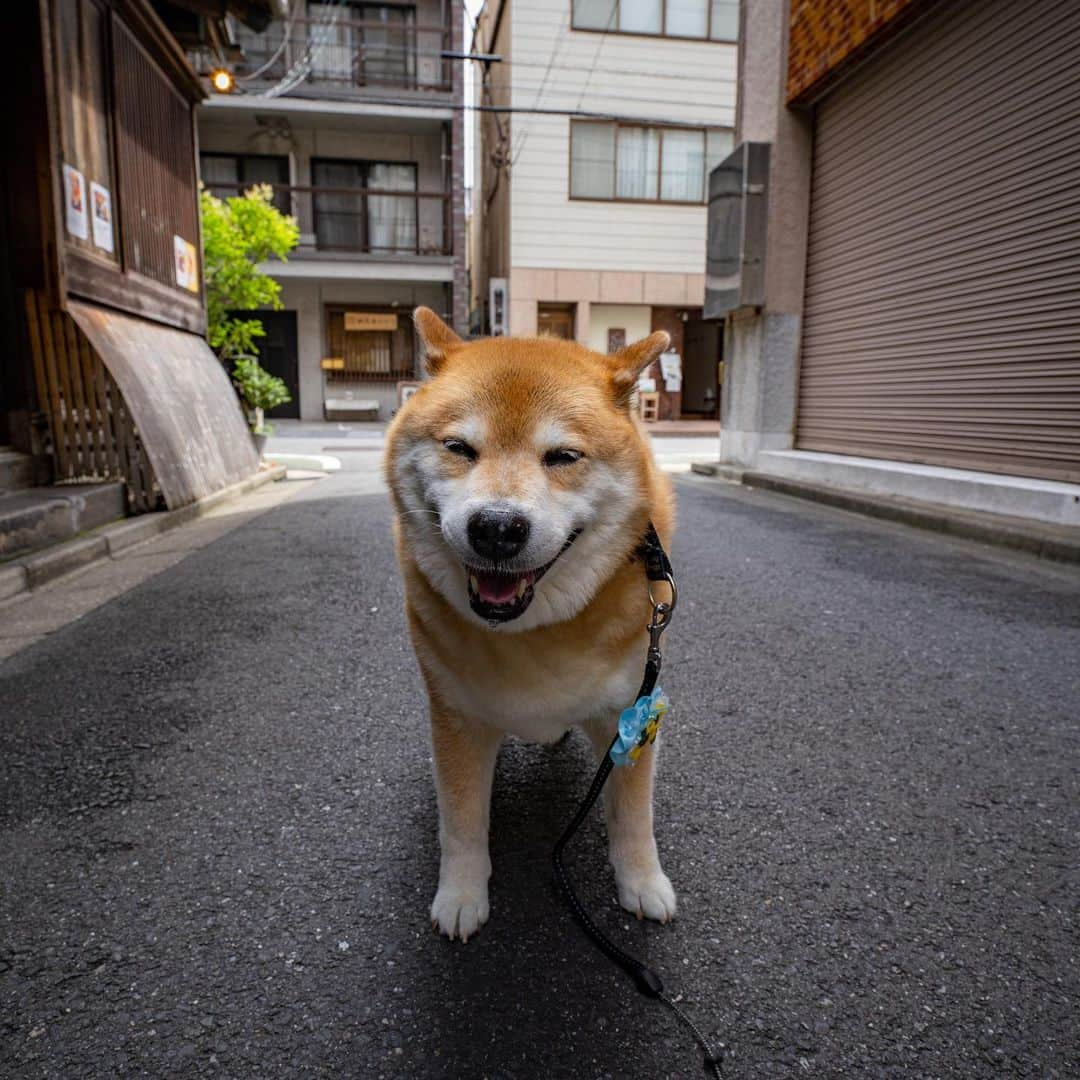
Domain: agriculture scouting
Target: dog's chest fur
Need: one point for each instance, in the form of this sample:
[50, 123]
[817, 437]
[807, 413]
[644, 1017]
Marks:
[536, 684]
[538, 701]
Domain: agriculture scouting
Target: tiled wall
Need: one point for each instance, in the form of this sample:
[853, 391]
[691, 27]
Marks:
[827, 37]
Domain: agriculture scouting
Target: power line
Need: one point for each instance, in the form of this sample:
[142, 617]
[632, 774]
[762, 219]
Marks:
[596, 55]
[563, 28]
[654, 101]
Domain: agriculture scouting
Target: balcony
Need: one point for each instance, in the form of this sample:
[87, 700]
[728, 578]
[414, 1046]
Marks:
[382, 223]
[338, 57]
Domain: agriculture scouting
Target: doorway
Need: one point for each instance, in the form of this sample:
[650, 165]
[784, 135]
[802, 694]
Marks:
[278, 354]
[702, 353]
[556, 320]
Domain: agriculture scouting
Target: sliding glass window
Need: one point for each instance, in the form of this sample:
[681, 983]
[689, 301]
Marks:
[701, 20]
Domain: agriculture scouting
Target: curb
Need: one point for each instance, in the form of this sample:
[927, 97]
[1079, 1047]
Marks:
[1047, 541]
[31, 572]
[719, 470]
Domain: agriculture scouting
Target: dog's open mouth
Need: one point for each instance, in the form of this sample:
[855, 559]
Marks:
[501, 595]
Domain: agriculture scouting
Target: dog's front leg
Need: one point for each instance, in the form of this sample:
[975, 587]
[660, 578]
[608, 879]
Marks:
[644, 888]
[464, 755]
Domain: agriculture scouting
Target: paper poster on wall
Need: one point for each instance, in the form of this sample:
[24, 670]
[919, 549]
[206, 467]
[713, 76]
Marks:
[187, 264]
[101, 208]
[75, 214]
[671, 370]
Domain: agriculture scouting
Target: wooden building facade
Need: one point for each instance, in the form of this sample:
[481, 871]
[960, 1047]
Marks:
[106, 372]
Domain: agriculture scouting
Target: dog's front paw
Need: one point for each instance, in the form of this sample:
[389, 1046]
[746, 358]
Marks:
[459, 909]
[647, 893]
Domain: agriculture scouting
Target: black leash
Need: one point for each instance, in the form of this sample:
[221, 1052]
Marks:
[657, 569]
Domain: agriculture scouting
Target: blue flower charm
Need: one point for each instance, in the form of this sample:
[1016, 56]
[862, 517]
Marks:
[638, 726]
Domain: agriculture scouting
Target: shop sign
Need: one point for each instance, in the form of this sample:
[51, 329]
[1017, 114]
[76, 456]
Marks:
[370, 320]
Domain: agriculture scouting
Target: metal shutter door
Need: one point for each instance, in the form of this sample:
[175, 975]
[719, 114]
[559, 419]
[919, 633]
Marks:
[942, 317]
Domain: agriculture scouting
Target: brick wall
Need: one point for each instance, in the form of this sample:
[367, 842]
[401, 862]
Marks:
[828, 37]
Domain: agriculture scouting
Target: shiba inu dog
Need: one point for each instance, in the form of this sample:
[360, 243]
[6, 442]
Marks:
[523, 488]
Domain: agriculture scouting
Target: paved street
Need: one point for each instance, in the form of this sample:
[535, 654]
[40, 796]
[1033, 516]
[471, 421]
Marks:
[217, 825]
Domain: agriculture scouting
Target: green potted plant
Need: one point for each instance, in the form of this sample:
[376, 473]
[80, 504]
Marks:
[240, 234]
[260, 391]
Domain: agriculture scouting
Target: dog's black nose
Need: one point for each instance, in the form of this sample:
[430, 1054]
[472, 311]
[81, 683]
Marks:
[498, 535]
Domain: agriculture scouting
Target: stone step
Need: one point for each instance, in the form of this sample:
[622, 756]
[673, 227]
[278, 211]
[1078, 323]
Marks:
[36, 518]
[16, 470]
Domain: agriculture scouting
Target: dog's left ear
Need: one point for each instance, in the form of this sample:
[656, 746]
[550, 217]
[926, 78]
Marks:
[437, 338]
[629, 362]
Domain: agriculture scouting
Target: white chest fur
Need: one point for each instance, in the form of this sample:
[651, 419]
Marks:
[538, 697]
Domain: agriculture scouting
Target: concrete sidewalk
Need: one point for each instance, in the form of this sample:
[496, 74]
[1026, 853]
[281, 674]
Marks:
[218, 832]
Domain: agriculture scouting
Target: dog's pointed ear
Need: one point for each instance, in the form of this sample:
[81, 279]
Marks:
[436, 337]
[631, 360]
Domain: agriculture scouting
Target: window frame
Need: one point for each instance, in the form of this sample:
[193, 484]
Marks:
[366, 164]
[241, 158]
[708, 39]
[395, 374]
[658, 201]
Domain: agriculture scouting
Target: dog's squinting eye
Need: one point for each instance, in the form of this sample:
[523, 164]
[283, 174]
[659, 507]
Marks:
[462, 449]
[554, 458]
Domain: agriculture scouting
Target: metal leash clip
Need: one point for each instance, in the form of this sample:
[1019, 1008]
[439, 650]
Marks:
[662, 613]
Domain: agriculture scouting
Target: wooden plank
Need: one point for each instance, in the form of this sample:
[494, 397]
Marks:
[77, 404]
[121, 444]
[134, 292]
[63, 381]
[54, 409]
[94, 412]
[33, 322]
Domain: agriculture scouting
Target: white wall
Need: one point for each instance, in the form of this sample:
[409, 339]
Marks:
[661, 79]
[635, 319]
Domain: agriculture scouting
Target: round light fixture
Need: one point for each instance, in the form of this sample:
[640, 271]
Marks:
[222, 80]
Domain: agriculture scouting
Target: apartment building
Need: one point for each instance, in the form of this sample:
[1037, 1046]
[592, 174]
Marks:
[352, 111]
[596, 131]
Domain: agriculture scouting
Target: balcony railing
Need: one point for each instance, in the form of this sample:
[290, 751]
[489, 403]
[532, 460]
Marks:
[369, 221]
[341, 54]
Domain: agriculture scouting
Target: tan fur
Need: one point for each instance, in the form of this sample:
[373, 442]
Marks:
[536, 681]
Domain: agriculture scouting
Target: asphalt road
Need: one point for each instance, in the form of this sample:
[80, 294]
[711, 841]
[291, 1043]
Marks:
[217, 826]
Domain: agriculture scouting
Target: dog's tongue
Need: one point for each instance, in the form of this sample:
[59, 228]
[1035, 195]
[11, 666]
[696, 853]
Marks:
[499, 588]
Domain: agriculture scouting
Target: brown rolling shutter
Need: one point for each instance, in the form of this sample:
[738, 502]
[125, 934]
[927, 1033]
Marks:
[942, 318]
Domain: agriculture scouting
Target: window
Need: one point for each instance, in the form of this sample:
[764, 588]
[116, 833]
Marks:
[81, 66]
[705, 20]
[637, 163]
[226, 175]
[365, 43]
[369, 355]
[354, 220]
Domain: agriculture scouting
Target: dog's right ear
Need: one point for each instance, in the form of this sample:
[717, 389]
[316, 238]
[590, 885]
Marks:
[437, 338]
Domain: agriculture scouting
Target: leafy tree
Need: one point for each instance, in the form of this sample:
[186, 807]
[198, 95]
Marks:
[238, 234]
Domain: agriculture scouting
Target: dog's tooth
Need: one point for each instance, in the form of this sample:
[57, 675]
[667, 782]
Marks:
[473, 583]
[522, 586]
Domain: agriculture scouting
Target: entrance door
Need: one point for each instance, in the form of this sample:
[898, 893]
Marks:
[556, 320]
[702, 347]
[278, 355]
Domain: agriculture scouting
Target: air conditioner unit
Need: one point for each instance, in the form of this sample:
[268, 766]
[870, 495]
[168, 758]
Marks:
[735, 249]
[498, 306]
